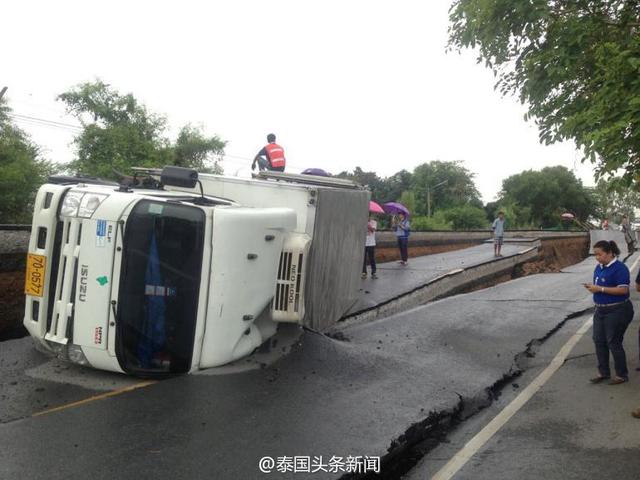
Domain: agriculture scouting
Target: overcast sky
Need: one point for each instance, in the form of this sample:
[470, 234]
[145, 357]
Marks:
[341, 83]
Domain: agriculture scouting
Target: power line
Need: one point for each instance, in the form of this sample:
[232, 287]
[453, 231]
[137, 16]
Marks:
[28, 118]
[43, 122]
[45, 125]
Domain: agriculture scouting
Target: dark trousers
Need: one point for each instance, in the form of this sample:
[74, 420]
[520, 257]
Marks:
[369, 252]
[403, 244]
[264, 164]
[609, 325]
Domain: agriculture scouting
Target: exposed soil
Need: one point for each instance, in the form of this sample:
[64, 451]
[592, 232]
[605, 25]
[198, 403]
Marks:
[555, 255]
[11, 305]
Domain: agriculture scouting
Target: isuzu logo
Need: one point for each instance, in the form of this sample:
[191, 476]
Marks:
[84, 276]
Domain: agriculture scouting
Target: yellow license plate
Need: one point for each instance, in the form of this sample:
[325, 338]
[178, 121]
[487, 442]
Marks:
[36, 269]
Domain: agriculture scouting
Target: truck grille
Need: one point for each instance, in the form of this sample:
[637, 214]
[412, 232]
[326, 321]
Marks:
[288, 294]
[61, 313]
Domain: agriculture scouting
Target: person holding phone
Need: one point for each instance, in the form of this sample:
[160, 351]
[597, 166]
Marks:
[613, 312]
[402, 228]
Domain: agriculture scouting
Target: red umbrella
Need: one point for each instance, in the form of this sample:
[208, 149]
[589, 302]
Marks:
[375, 208]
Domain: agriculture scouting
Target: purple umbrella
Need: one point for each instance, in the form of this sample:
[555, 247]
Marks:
[316, 171]
[395, 208]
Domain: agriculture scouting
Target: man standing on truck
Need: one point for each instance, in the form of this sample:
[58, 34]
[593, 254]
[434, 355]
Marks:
[271, 157]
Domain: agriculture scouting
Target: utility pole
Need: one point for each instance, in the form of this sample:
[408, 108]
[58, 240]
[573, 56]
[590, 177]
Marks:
[429, 196]
[4, 89]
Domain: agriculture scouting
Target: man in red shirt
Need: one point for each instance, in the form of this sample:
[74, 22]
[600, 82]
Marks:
[271, 157]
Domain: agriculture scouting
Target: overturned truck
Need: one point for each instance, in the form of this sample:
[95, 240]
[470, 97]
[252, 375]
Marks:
[192, 270]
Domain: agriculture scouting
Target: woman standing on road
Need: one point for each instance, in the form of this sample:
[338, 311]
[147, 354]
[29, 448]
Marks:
[370, 248]
[402, 228]
[613, 313]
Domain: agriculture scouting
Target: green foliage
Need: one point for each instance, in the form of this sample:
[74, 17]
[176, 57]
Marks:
[436, 222]
[575, 64]
[516, 216]
[119, 133]
[466, 217]
[408, 199]
[193, 149]
[22, 171]
[613, 199]
[538, 198]
[368, 179]
[458, 187]
[392, 187]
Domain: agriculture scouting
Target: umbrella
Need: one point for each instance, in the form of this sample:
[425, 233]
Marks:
[568, 216]
[395, 208]
[375, 208]
[316, 171]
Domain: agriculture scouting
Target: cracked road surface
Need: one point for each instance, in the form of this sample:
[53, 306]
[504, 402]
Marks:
[570, 429]
[396, 280]
[364, 396]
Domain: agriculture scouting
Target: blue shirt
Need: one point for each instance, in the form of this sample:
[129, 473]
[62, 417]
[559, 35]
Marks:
[498, 227]
[615, 274]
[403, 228]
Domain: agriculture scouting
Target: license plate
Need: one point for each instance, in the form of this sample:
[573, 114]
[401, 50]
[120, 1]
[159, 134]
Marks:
[36, 269]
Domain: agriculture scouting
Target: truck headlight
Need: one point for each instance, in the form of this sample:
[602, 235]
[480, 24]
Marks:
[71, 204]
[89, 204]
[83, 205]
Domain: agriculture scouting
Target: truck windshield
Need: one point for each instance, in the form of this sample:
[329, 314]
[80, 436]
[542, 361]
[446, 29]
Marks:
[160, 280]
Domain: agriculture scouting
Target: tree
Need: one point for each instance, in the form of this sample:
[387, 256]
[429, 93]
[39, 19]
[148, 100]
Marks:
[544, 195]
[466, 217]
[193, 149]
[22, 170]
[574, 63]
[368, 179]
[408, 199]
[456, 186]
[394, 186]
[119, 133]
[614, 199]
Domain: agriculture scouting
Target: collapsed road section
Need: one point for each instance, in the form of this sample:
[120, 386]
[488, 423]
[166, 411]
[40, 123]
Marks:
[376, 394]
[33, 382]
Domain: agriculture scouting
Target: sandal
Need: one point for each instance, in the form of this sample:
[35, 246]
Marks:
[618, 380]
[598, 379]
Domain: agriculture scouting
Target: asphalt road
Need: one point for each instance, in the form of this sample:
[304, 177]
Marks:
[395, 279]
[31, 382]
[370, 395]
[570, 429]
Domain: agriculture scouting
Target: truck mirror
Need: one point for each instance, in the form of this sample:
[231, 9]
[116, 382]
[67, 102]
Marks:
[179, 176]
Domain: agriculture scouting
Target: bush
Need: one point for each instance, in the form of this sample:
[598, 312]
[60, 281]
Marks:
[437, 222]
[466, 217]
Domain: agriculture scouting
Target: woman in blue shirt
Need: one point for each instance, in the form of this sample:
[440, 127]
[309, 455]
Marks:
[613, 312]
[402, 229]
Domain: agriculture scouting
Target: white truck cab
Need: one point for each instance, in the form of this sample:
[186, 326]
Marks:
[152, 282]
